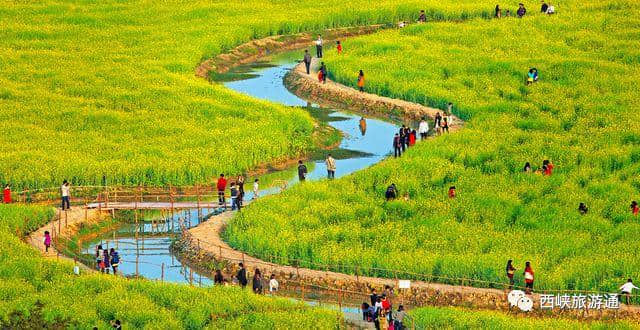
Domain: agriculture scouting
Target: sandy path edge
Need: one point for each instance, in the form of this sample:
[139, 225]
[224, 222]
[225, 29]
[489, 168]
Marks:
[75, 218]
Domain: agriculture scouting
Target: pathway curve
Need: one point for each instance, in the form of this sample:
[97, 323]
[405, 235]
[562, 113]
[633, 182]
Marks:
[68, 224]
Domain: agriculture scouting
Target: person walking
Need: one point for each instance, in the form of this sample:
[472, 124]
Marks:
[402, 137]
[634, 208]
[436, 122]
[510, 272]
[407, 134]
[273, 284]
[221, 185]
[521, 10]
[361, 81]
[115, 260]
[323, 73]
[397, 146]
[412, 138]
[339, 47]
[65, 191]
[99, 256]
[234, 197]
[47, 241]
[302, 171]
[256, 187]
[257, 282]
[498, 12]
[331, 167]
[373, 297]
[528, 277]
[423, 129]
[319, 43]
[242, 276]
[445, 125]
[626, 290]
[6, 194]
[307, 61]
[106, 259]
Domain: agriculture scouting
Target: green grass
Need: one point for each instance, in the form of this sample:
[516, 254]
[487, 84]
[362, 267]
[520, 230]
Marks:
[37, 292]
[581, 115]
[109, 88]
[458, 318]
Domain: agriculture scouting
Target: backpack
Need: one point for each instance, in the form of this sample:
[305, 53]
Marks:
[115, 259]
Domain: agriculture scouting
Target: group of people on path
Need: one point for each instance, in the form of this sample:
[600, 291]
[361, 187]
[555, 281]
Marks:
[106, 259]
[528, 275]
[236, 191]
[545, 8]
[407, 137]
[380, 311]
[241, 278]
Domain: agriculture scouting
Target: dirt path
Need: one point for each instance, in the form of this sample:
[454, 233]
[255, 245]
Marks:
[75, 217]
[333, 94]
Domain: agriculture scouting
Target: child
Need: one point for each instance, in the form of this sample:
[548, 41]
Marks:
[339, 47]
[255, 189]
[47, 241]
[273, 284]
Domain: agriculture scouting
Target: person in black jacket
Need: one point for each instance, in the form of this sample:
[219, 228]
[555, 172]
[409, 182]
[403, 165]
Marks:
[302, 171]
[373, 296]
[242, 276]
[397, 146]
[544, 7]
[521, 10]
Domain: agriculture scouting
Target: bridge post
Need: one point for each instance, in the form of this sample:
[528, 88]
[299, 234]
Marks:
[162, 273]
[86, 209]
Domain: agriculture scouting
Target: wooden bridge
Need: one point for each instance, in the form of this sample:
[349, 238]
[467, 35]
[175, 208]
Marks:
[155, 205]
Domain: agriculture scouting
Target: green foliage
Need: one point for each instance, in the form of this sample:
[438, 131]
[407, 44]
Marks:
[458, 318]
[581, 115]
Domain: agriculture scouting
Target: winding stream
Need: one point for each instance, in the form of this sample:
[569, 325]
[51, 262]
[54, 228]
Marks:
[146, 252]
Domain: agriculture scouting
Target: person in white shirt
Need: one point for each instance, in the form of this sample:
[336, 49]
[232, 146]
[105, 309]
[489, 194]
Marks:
[551, 10]
[255, 189]
[65, 190]
[273, 284]
[627, 288]
[423, 129]
[319, 47]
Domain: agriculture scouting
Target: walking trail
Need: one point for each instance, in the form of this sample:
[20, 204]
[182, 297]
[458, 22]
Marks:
[69, 224]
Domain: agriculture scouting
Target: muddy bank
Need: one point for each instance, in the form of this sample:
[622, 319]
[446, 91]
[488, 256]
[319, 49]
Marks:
[255, 49]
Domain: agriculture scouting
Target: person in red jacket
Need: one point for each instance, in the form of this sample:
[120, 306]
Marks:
[6, 194]
[549, 167]
[339, 47]
[528, 277]
[634, 208]
[221, 185]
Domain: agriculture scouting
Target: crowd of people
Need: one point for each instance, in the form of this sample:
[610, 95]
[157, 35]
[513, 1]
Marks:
[380, 311]
[241, 278]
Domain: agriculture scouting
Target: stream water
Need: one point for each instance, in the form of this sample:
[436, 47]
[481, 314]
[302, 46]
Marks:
[146, 252]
